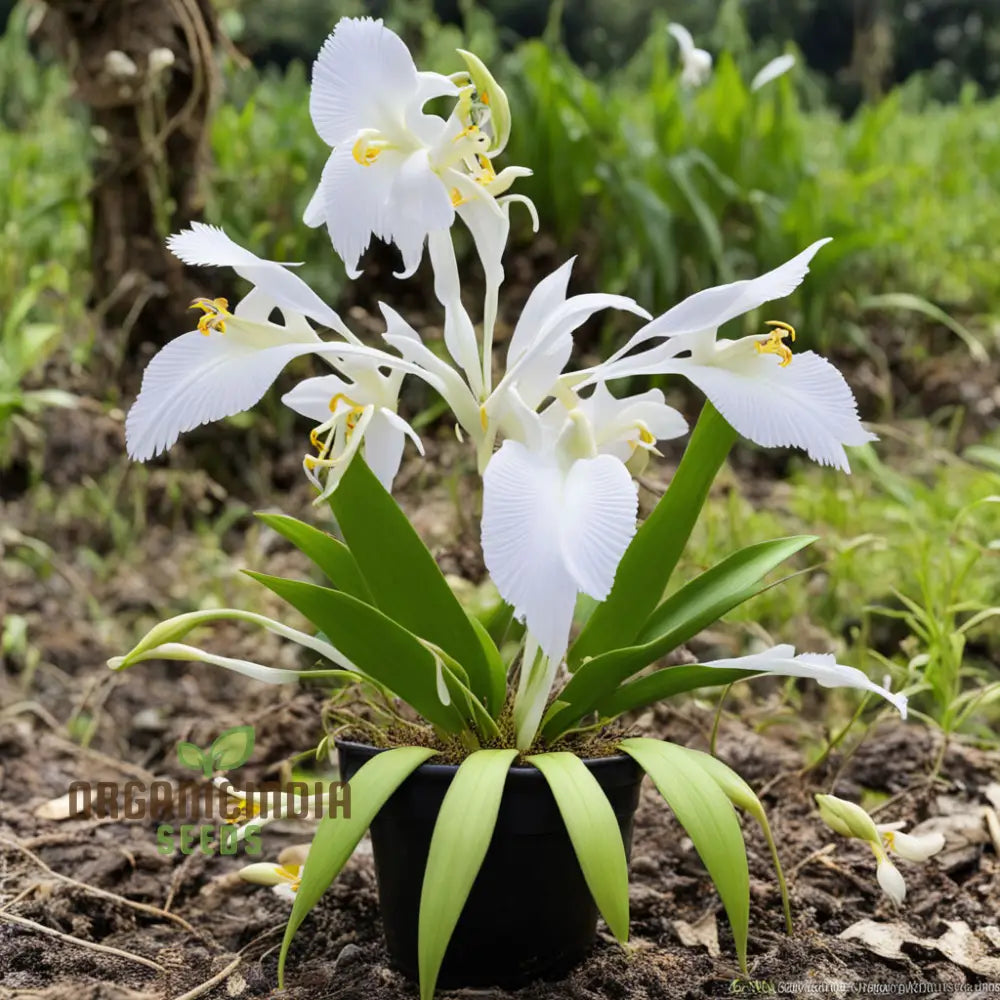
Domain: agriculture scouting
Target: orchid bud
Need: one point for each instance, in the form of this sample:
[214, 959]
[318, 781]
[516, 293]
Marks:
[490, 94]
[847, 819]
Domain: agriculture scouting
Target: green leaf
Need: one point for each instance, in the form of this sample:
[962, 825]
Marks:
[332, 556]
[593, 829]
[232, 748]
[645, 569]
[682, 615]
[191, 756]
[375, 643]
[337, 836]
[461, 838]
[666, 683]
[401, 573]
[707, 815]
[744, 797]
[498, 672]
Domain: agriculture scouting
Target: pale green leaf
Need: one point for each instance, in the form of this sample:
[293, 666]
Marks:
[593, 829]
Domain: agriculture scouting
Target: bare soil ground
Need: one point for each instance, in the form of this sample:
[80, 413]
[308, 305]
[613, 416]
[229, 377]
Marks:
[93, 556]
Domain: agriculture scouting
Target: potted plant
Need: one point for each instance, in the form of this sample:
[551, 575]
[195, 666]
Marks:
[493, 775]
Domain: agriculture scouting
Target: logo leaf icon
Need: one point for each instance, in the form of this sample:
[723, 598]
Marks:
[191, 756]
[232, 747]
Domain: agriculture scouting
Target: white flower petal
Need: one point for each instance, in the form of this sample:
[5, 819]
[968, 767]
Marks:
[778, 66]
[806, 405]
[209, 246]
[891, 881]
[823, 668]
[710, 308]
[363, 77]
[384, 448]
[311, 397]
[683, 37]
[247, 668]
[263, 873]
[354, 200]
[545, 298]
[196, 379]
[419, 204]
[522, 513]
[459, 333]
[599, 507]
[913, 847]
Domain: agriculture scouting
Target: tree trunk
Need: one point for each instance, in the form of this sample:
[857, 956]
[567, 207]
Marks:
[145, 69]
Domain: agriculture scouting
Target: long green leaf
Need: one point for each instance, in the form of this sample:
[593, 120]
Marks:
[682, 615]
[744, 797]
[337, 836]
[645, 569]
[375, 644]
[708, 817]
[331, 555]
[461, 838]
[594, 832]
[402, 575]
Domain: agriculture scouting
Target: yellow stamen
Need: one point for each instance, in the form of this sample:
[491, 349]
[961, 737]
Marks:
[484, 419]
[215, 310]
[645, 436]
[310, 462]
[488, 173]
[469, 130]
[457, 198]
[773, 343]
[364, 153]
[484, 97]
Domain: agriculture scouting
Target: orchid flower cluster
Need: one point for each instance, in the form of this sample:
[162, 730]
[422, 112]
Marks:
[559, 449]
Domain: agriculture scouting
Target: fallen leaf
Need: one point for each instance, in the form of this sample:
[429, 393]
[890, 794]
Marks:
[960, 944]
[703, 933]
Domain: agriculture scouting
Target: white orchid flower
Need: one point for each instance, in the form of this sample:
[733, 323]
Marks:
[850, 820]
[285, 877]
[348, 413]
[767, 394]
[781, 661]
[778, 66]
[227, 364]
[395, 172]
[696, 64]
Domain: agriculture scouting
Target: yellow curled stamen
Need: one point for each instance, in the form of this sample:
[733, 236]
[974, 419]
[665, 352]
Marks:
[342, 397]
[215, 310]
[774, 343]
[365, 153]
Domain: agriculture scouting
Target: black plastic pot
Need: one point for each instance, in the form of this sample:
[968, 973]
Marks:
[530, 914]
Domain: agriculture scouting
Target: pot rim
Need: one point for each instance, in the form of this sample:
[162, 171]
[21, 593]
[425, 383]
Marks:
[529, 772]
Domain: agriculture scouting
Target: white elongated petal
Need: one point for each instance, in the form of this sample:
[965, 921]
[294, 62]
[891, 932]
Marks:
[710, 308]
[820, 667]
[352, 201]
[196, 379]
[600, 503]
[545, 298]
[209, 246]
[264, 873]
[891, 881]
[384, 441]
[311, 397]
[549, 534]
[778, 66]
[459, 333]
[363, 77]
[181, 651]
[683, 38]
[522, 512]
[806, 405]
[437, 373]
[419, 204]
[912, 847]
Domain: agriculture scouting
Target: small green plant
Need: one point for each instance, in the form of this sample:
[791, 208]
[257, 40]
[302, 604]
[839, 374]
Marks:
[229, 749]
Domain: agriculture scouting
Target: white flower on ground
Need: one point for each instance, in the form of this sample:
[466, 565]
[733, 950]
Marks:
[285, 877]
[395, 172]
[768, 394]
[696, 64]
[850, 820]
[781, 661]
[348, 413]
[778, 66]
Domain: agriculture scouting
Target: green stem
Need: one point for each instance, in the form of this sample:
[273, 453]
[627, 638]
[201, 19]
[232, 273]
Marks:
[718, 719]
[786, 903]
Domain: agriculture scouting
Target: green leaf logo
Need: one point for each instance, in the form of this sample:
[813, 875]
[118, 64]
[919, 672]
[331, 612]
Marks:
[230, 749]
